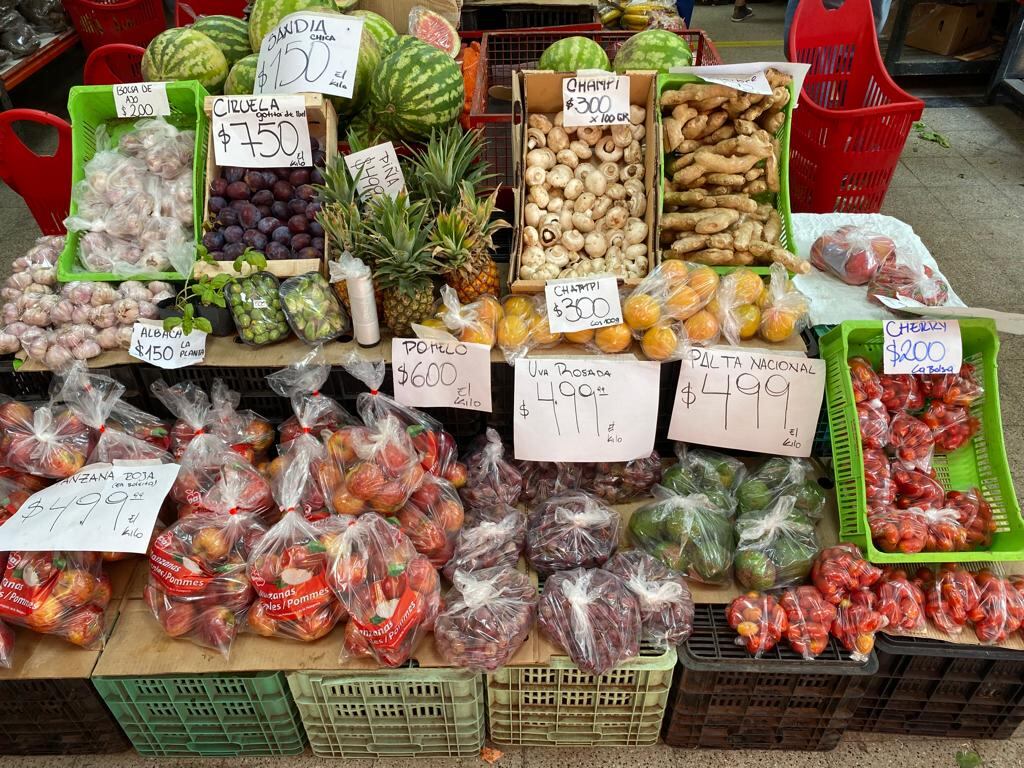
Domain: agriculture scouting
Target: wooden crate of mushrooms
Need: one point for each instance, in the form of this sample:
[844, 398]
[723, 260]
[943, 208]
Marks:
[726, 196]
[586, 202]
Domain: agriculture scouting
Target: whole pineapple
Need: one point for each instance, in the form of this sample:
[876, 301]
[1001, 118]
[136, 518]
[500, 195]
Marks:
[437, 172]
[469, 266]
[398, 242]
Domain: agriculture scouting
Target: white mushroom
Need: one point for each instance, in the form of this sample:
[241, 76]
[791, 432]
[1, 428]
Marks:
[595, 244]
[616, 217]
[558, 139]
[636, 251]
[556, 202]
[622, 135]
[567, 158]
[559, 176]
[547, 272]
[585, 202]
[550, 233]
[615, 237]
[637, 205]
[632, 171]
[581, 149]
[616, 192]
[582, 170]
[633, 153]
[633, 187]
[535, 138]
[572, 240]
[610, 171]
[531, 236]
[583, 223]
[565, 220]
[638, 131]
[527, 273]
[532, 214]
[636, 231]
[556, 255]
[607, 150]
[636, 114]
[542, 157]
[595, 183]
[601, 207]
[534, 176]
[541, 122]
[591, 134]
[539, 195]
[573, 189]
[532, 256]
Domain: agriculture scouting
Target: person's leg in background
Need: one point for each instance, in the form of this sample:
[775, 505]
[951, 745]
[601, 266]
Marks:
[740, 11]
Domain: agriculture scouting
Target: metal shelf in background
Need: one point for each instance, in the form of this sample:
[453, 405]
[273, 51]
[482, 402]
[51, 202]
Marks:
[1009, 76]
[19, 70]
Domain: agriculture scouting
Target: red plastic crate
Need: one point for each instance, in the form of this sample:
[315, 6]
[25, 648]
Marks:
[135, 22]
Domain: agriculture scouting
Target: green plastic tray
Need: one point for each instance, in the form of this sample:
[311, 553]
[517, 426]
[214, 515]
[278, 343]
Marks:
[781, 199]
[249, 714]
[557, 705]
[91, 106]
[407, 712]
[979, 464]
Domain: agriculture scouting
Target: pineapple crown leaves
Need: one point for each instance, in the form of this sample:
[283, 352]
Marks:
[339, 185]
[482, 211]
[451, 157]
[452, 239]
[399, 242]
[344, 223]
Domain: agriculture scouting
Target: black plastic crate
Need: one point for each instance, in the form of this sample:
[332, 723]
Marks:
[56, 717]
[723, 698]
[527, 16]
[822, 444]
[931, 688]
[23, 386]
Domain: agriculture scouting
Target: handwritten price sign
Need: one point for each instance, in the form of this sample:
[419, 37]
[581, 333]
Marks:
[166, 349]
[582, 304]
[922, 346]
[141, 100]
[595, 100]
[747, 400]
[442, 374]
[103, 508]
[310, 53]
[584, 409]
[261, 131]
[378, 171]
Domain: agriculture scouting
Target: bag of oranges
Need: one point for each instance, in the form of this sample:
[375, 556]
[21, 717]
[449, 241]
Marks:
[785, 310]
[473, 323]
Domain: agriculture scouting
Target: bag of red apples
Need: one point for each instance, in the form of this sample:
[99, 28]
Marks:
[391, 592]
[49, 441]
[211, 470]
[6, 633]
[313, 412]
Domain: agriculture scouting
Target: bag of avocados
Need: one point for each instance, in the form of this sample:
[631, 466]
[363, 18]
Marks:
[708, 472]
[782, 476]
[775, 546]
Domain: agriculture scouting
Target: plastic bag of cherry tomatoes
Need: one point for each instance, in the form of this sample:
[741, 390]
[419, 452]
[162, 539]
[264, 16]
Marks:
[866, 383]
[592, 616]
[489, 544]
[880, 490]
[1000, 608]
[916, 489]
[573, 530]
[856, 623]
[903, 275]
[900, 392]
[975, 515]
[841, 570]
[487, 617]
[491, 480]
[759, 621]
[952, 388]
[57, 593]
[390, 590]
[209, 468]
[951, 425]
[289, 567]
[873, 420]
[50, 441]
[913, 530]
[314, 412]
[901, 602]
[198, 574]
[809, 617]
[851, 253]
[666, 605]
[911, 442]
[432, 519]
[951, 598]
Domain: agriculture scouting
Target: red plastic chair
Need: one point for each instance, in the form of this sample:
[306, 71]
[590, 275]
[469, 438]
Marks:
[113, 64]
[44, 181]
[187, 11]
[852, 120]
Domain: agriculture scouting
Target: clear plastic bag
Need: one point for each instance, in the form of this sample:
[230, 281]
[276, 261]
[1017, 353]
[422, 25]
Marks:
[901, 602]
[255, 306]
[857, 622]
[542, 479]
[850, 253]
[133, 421]
[809, 617]
[473, 323]
[775, 546]
[951, 425]
[1000, 607]
[57, 593]
[974, 514]
[312, 310]
[759, 621]
[873, 421]
[915, 488]
[17, 36]
[496, 543]
[432, 519]
[900, 392]
[12, 495]
[491, 481]
[841, 570]
[953, 389]
[6, 646]
[50, 441]
[785, 310]
[781, 476]
[315, 413]
[211, 471]
[592, 616]
[713, 474]
[198, 582]
[190, 406]
[248, 433]
[572, 530]
[902, 274]
[666, 606]
[689, 534]
[391, 591]
[866, 383]
[665, 311]
[620, 482]
[487, 618]
[951, 599]
[911, 440]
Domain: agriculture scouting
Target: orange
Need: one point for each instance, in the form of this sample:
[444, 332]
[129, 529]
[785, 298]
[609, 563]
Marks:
[641, 311]
[714, 307]
[765, 299]
[518, 305]
[748, 285]
[704, 280]
[478, 333]
[435, 322]
[540, 333]
[512, 332]
[748, 320]
[778, 324]
[701, 327]
[682, 302]
[659, 342]
[488, 309]
[580, 337]
[676, 272]
[614, 338]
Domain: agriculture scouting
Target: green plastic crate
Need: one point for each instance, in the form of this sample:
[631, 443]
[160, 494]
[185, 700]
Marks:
[979, 464]
[407, 712]
[779, 201]
[91, 106]
[249, 714]
[558, 705]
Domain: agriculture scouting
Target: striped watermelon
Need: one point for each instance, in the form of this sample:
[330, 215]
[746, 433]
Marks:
[656, 49]
[369, 58]
[231, 35]
[431, 27]
[267, 14]
[572, 53]
[242, 77]
[184, 54]
[379, 27]
[415, 90]
[397, 43]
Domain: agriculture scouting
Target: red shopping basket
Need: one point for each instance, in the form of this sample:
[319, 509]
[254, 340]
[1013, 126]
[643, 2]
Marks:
[135, 22]
[852, 120]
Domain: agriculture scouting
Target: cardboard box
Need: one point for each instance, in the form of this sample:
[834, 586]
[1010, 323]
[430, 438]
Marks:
[541, 93]
[949, 29]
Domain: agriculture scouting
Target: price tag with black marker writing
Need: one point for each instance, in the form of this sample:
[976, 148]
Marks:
[309, 52]
[261, 131]
[166, 349]
[429, 373]
[584, 409]
[748, 400]
[581, 304]
[141, 100]
[594, 99]
[922, 346]
[377, 171]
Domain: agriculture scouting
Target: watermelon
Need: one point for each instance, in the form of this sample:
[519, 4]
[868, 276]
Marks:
[398, 43]
[572, 53]
[267, 14]
[431, 27]
[229, 34]
[369, 58]
[656, 49]
[415, 90]
[379, 27]
[344, 5]
[184, 54]
[242, 77]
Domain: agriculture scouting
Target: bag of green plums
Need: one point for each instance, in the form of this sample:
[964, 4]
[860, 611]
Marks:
[312, 309]
[256, 308]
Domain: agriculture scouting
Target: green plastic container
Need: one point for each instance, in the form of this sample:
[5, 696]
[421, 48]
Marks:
[780, 200]
[91, 106]
[407, 712]
[557, 705]
[981, 463]
[249, 714]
